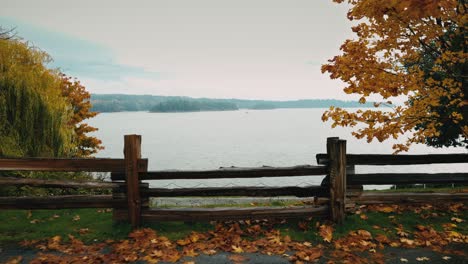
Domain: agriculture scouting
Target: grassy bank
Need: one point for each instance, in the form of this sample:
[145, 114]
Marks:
[89, 225]
[95, 225]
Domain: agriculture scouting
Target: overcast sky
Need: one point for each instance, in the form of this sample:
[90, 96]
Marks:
[262, 49]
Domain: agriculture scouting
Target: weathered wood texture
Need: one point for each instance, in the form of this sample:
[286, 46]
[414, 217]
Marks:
[12, 181]
[308, 191]
[337, 166]
[326, 180]
[350, 169]
[60, 202]
[317, 202]
[132, 152]
[403, 197]
[56, 164]
[190, 214]
[381, 159]
[407, 178]
[233, 172]
[122, 187]
[144, 200]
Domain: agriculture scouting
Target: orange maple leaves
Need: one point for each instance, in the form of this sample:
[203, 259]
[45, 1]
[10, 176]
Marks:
[326, 232]
[260, 237]
[146, 245]
[406, 49]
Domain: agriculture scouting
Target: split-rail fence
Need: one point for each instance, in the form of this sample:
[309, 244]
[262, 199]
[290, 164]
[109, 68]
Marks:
[130, 193]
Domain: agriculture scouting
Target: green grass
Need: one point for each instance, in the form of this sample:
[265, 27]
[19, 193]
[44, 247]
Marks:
[19, 225]
[379, 223]
[291, 228]
[354, 222]
[16, 226]
[409, 220]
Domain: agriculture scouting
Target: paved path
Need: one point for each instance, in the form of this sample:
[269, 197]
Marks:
[392, 256]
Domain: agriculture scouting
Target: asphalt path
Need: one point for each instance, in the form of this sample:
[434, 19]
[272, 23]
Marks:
[391, 256]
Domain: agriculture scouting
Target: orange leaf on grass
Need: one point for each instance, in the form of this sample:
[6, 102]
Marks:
[326, 232]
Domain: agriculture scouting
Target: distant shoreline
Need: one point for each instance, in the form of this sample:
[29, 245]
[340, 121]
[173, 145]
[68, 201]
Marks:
[191, 111]
[179, 104]
[208, 111]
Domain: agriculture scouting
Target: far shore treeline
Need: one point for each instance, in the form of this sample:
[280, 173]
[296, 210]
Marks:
[157, 103]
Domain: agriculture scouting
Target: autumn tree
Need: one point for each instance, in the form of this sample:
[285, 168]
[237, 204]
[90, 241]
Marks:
[42, 111]
[41, 114]
[79, 102]
[412, 51]
[33, 111]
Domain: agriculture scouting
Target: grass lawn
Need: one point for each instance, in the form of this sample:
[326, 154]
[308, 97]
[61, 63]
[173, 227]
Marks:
[370, 234]
[89, 225]
[93, 225]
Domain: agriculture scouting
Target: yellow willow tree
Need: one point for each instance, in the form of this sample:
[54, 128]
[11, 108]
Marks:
[33, 111]
[42, 111]
[412, 49]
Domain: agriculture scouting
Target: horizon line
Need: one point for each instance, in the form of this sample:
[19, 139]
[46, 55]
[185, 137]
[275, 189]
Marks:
[228, 98]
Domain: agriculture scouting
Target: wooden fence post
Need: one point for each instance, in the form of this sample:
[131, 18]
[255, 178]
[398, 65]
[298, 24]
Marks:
[132, 152]
[326, 181]
[337, 165]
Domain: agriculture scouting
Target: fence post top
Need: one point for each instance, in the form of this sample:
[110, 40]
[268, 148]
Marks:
[336, 140]
[132, 135]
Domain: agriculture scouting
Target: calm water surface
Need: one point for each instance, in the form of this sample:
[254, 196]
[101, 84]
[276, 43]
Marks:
[244, 138]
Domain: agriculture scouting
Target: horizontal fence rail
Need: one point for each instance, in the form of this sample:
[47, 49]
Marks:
[69, 165]
[233, 172]
[12, 181]
[383, 159]
[130, 196]
[62, 202]
[190, 214]
[407, 178]
[247, 191]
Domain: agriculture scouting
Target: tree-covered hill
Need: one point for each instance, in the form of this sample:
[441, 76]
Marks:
[190, 105]
[123, 102]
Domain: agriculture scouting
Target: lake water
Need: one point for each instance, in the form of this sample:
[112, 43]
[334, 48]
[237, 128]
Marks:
[244, 138]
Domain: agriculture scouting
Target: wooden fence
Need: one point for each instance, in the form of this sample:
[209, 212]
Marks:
[130, 195]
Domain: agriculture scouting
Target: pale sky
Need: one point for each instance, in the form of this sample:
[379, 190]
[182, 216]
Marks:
[257, 49]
